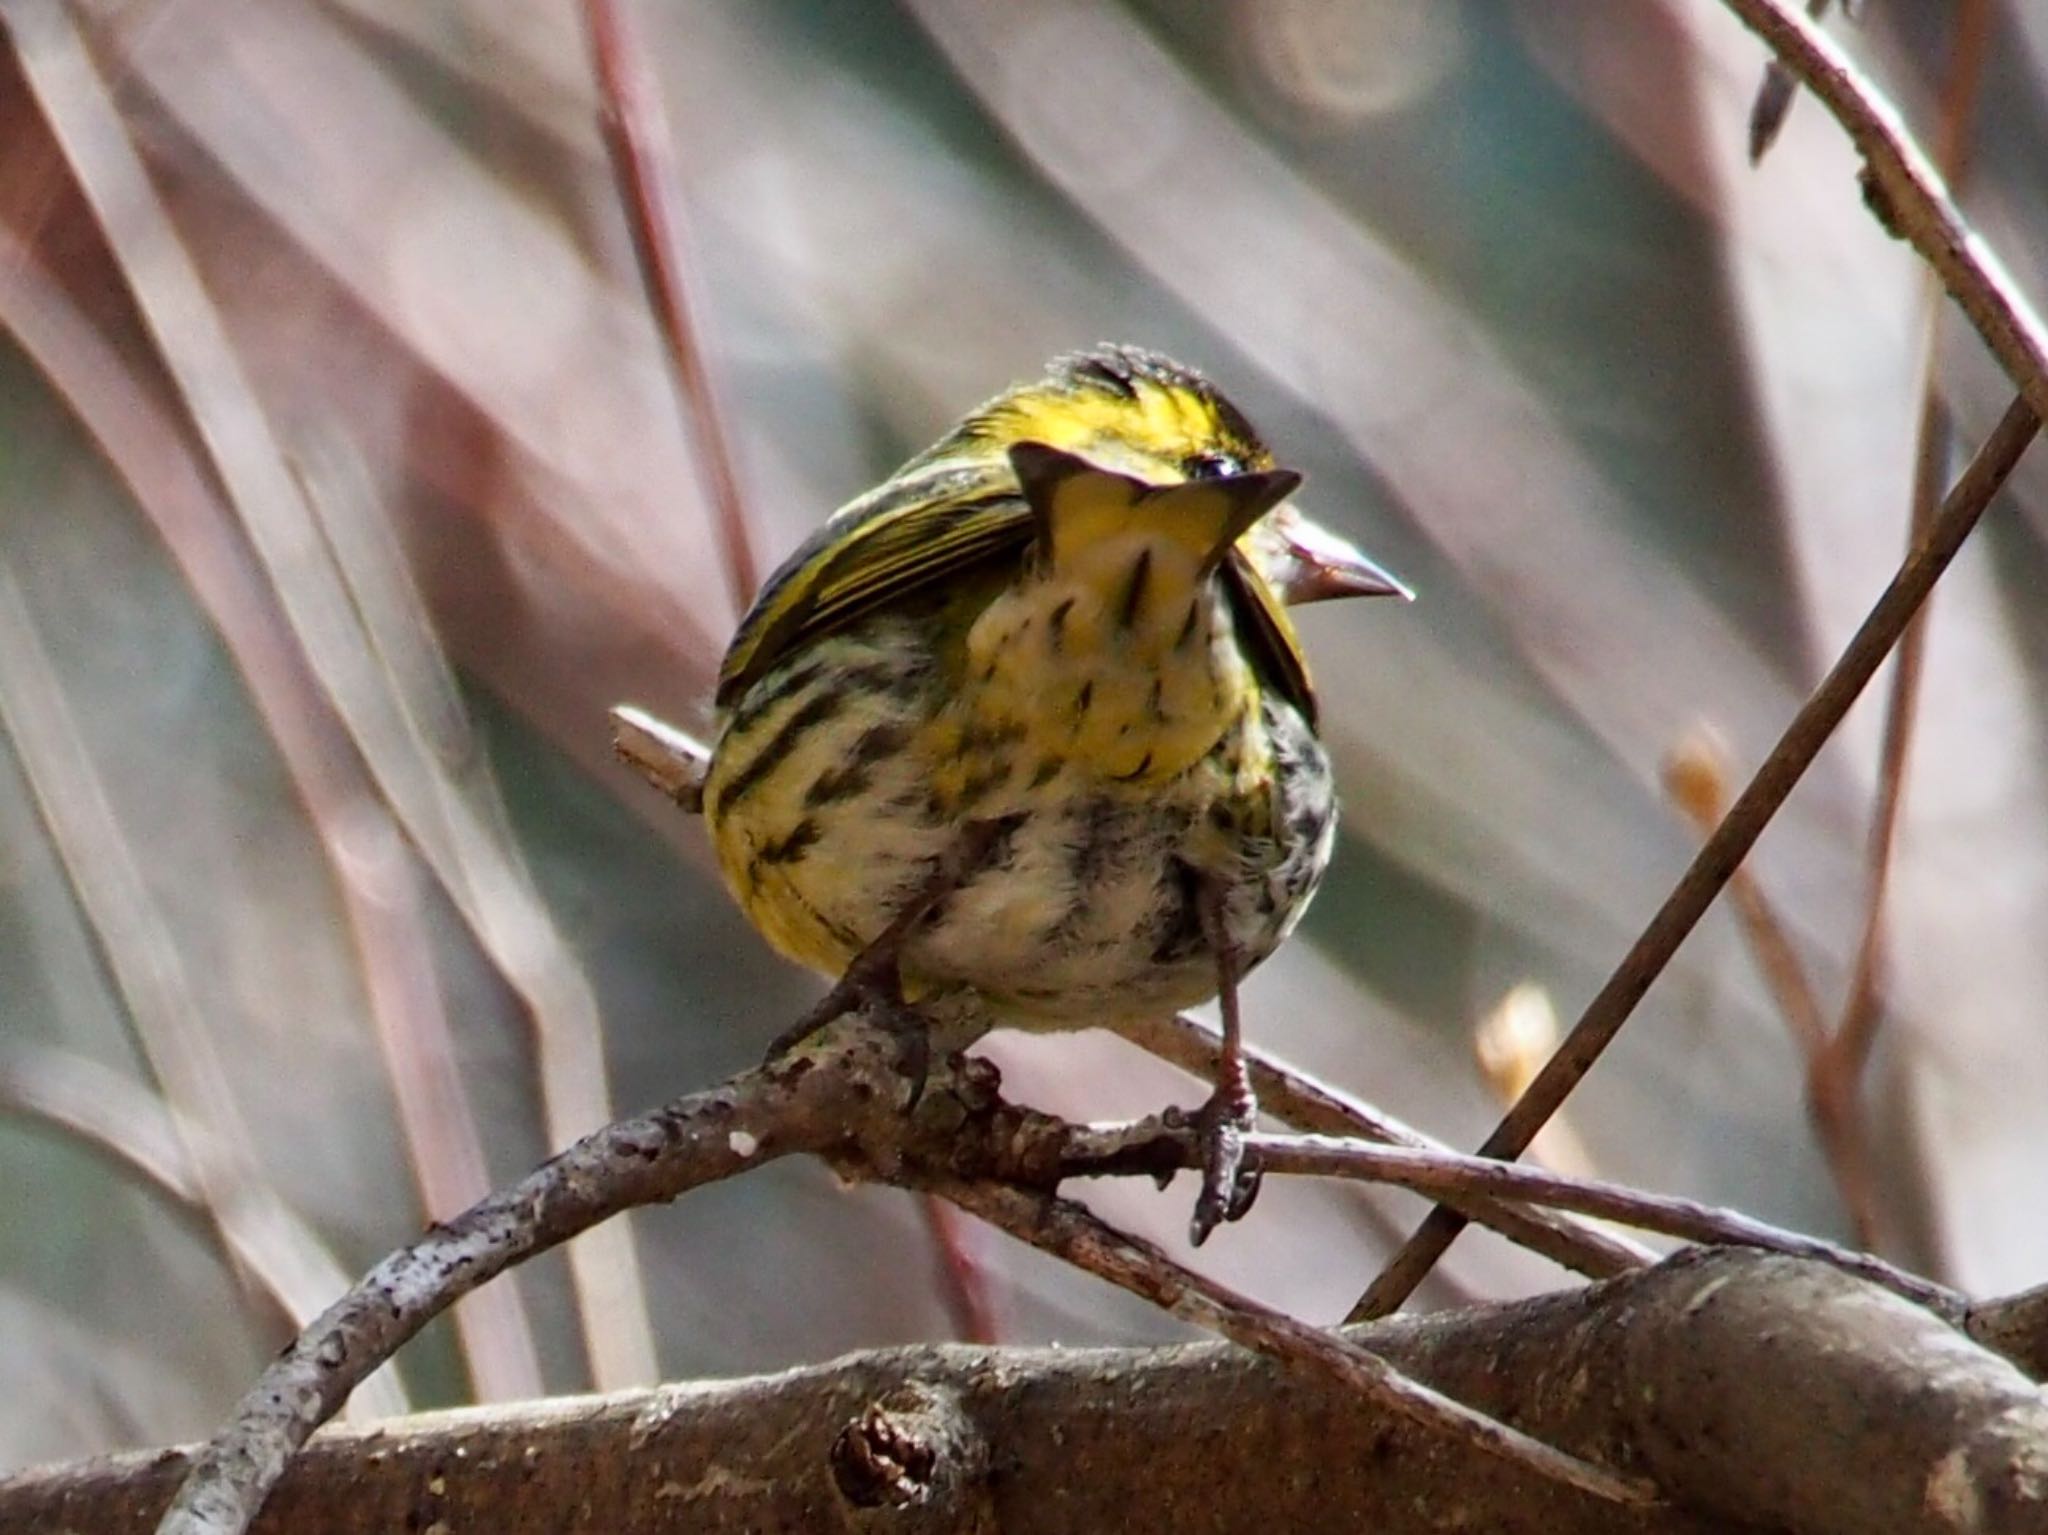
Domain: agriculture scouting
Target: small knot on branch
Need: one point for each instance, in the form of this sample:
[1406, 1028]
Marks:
[913, 1460]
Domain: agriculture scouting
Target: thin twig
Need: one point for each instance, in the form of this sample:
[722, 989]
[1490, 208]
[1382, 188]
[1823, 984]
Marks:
[1696, 781]
[1832, 1084]
[1730, 844]
[636, 134]
[815, 1102]
[1835, 1071]
[1296, 1098]
[1696, 776]
[1438, 1173]
[1071, 1232]
[1907, 193]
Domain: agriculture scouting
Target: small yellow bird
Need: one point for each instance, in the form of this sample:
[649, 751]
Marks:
[1036, 702]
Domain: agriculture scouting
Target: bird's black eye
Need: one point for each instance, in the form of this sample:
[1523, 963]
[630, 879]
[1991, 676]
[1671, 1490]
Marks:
[1210, 466]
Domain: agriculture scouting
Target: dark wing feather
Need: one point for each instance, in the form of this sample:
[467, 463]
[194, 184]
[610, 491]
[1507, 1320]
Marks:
[1264, 630]
[910, 535]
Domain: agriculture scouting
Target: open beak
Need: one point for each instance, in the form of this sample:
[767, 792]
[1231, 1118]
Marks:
[1320, 565]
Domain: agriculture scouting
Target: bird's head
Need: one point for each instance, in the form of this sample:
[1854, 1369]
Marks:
[1142, 414]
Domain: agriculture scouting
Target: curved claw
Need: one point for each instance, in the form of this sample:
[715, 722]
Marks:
[1228, 1186]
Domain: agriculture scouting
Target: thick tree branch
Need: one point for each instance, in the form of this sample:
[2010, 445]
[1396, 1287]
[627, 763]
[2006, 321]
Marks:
[1773, 1393]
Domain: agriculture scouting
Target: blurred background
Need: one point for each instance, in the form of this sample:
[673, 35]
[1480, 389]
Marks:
[345, 482]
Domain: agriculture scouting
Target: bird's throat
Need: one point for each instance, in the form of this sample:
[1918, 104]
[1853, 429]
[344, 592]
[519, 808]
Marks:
[1120, 664]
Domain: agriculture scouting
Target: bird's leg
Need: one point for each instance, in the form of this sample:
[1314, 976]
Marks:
[1221, 1124]
[874, 978]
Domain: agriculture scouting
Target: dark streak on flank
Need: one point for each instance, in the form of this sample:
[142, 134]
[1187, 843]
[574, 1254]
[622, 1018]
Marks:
[1155, 700]
[1179, 917]
[772, 690]
[791, 846]
[1089, 854]
[807, 716]
[846, 939]
[1056, 623]
[1084, 698]
[1187, 625]
[908, 685]
[851, 776]
[977, 785]
[980, 737]
[1134, 590]
[1048, 770]
[1137, 772]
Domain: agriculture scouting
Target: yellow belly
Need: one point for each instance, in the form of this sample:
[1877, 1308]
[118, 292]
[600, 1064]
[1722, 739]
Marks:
[830, 804]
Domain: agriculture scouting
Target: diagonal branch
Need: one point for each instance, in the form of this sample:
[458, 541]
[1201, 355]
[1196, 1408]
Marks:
[1719, 857]
[1907, 194]
[675, 762]
[1069, 1231]
[801, 1103]
[839, 1099]
[636, 134]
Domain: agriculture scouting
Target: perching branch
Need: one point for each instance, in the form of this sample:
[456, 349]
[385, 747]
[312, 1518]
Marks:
[843, 1099]
[840, 1099]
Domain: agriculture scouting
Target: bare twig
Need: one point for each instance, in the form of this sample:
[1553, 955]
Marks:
[1069, 1231]
[1730, 843]
[815, 1101]
[1696, 778]
[1909, 196]
[1835, 1058]
[840, 1098]
[673, 761]
[1437, 1174]
[1294, 1097]
[1696, 775]
[636, 133]
[1834, 1076]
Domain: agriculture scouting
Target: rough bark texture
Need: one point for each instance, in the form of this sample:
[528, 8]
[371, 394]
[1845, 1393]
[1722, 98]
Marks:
[1762, 1393]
